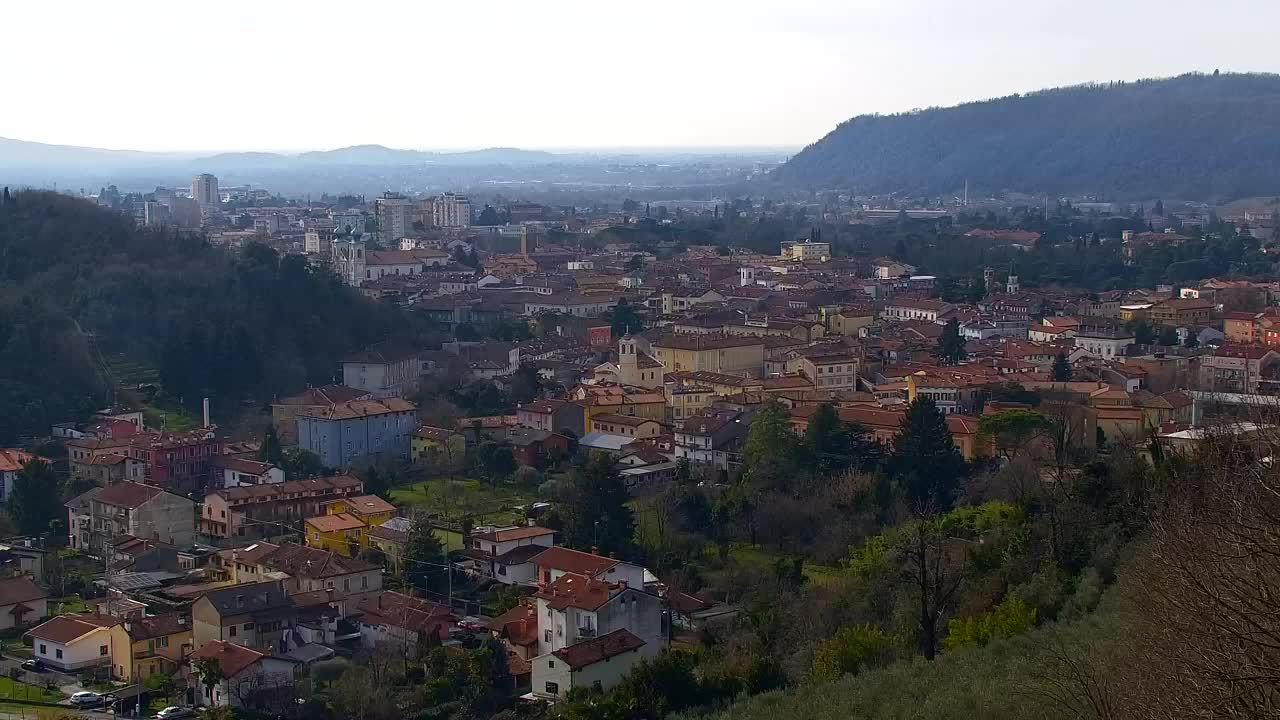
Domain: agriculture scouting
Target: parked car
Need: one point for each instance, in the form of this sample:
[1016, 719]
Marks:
[87, 698]
[173, 712]
[34, 665]
[472, 623]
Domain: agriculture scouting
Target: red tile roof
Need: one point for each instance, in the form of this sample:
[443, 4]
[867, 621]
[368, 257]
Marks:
[20, 589]
[233, 659]
[577, 591]
[12, 460]
[127, 494]
[573, 561]
[65, 628]
[592, 651]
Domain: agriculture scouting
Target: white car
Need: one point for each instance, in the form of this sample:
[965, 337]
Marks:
[86, 699]
[173, 712]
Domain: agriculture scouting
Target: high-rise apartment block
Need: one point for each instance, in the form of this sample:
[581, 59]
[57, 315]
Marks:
[394, 215]
[450, 210]
[204, 190]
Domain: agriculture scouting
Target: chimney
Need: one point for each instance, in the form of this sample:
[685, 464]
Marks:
[613, 556]
[182, 620]
[595, 550]
[206, 412]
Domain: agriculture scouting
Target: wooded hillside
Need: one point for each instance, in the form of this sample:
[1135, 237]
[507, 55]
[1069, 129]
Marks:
[1193, 136]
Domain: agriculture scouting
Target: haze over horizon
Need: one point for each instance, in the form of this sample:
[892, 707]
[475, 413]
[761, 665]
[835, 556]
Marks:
[160, 77]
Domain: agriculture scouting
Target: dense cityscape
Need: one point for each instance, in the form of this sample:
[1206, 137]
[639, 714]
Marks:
[964, 412]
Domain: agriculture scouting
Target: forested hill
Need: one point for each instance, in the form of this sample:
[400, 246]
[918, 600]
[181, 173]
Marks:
[79, 284]
[1191, 137]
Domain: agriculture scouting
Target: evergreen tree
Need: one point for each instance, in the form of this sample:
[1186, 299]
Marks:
[950, 349]
[625, 319]
[423, 556]
[595, 508]
[1143, 334]
[824, 443]
[33, 500]
[1192, 341]
[1061, 371]
[769, 454]
[1169, 336]
[271, 452]
[925, 463]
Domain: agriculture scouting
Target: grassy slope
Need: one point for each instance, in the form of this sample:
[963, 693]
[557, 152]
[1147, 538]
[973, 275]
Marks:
[989, 683]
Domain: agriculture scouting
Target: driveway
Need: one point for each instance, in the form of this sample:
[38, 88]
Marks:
[68, 684]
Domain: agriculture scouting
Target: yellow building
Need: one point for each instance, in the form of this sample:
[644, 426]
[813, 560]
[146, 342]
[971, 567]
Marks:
[342, 533]
[686, 401]
[732, 355]
[146, 646]
[344, 528]
[437, 446]
[615, 400]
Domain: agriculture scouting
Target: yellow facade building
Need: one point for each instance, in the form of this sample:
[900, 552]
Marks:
[146, 646]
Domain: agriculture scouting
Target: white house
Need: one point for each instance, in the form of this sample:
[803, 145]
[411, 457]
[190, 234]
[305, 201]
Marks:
[248, 676]
[577, 608]
[915, 309]
[22, 602]
[74, 642]
[599, 663]
[505, 554]
[232, 472]
[886, 269]
[554, 562]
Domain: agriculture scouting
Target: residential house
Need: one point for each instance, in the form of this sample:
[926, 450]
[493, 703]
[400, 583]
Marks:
[571, 304]
[709, 439]
[730, 354]
[554, 562]
[22, 602]
[1104, 341]
[107, 468]
[256, 615]
[233, 472]
[249, 678]
[407, 626]
[1180, 312]
[628, 425]
[284, 412]
[1239, 369]
[359, 431]
[517, 630]
[98, 516]
[888, 269]
[437, 448]
[597, 665]
[150, 645]
[11, 462]
[381, 371]
[532, 447]
[257, 511]
[344, 528]
[505, 554]
[73, 642]
[1242, 327]
[915, 309]
[576, 607]
[179, 461]
[555, 416]
[305, 569]
[831, 372]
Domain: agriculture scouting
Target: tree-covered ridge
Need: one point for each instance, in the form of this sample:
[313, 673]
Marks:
[1193, 136]
[78, 282]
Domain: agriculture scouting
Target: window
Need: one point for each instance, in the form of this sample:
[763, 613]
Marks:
[248, 626]
[551, 664]
[43, 650]
[596, 686]
[546, 637]
[57, 652]
[553, 688]
[103, 649]
[233, 631]
[162, 642]
[364, 582]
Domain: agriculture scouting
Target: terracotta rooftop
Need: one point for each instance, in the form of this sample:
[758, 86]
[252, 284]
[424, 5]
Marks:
[298, 488]
[233, 659]
[514, 533]
[126, 494]
[368, 505]
[334, 523]
[326, 395]
[577, 591]
[65, 628]
[20, 589]
[705, 342]
[574, 561]
[308, 562]
[592, 651]
[361, 408]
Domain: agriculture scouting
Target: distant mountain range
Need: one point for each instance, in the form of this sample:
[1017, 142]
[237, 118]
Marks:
[24, 154]
[1193, 136]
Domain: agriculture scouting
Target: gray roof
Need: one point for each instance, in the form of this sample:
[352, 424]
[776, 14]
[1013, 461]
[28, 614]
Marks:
[248, 598]
[605, 441]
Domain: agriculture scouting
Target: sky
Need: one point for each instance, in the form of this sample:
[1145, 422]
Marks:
[569, 74]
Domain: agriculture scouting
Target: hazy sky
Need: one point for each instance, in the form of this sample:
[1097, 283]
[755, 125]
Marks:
[271, 74]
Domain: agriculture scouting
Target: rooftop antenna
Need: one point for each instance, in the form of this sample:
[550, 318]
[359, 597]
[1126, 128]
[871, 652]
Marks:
[966, 192]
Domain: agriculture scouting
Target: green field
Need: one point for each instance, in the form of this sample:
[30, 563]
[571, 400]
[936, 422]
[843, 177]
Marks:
[749, 555]
[68, 604]
[464, 498]
[11, 689]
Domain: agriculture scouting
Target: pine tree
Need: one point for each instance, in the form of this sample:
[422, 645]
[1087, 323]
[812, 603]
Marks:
[769, 454]
[925, 464]
[271, 452]
[423, 556]
[33, 500]
[1061, 368]
[950, 349]
[595, 509]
